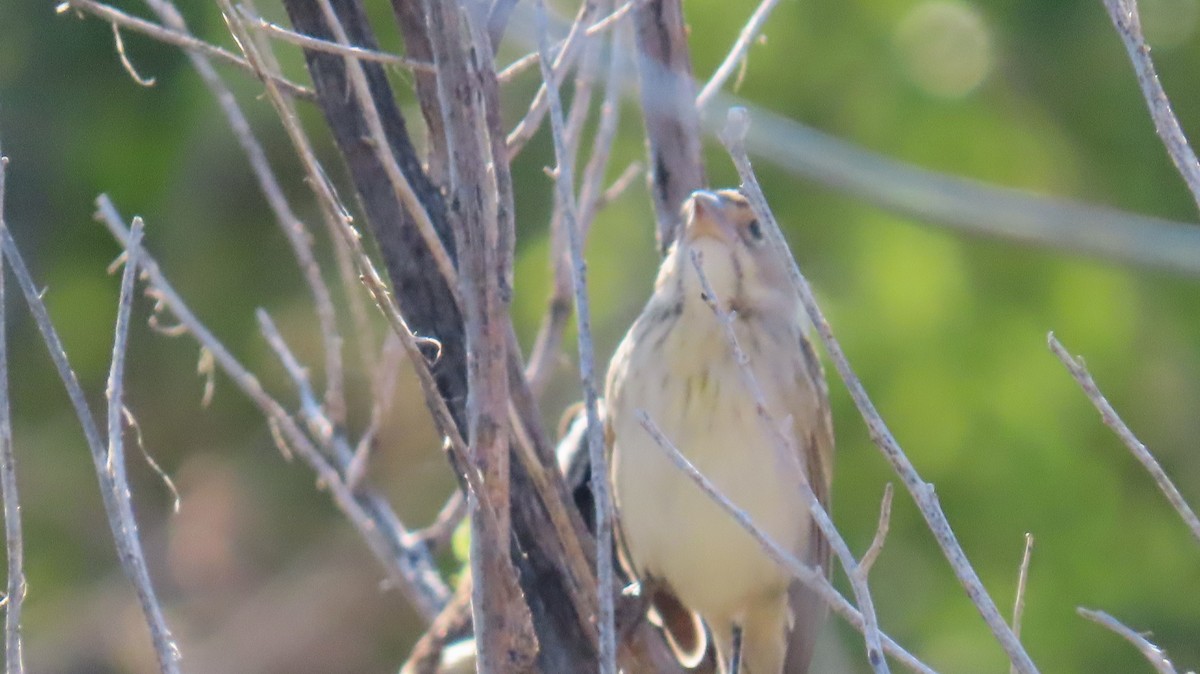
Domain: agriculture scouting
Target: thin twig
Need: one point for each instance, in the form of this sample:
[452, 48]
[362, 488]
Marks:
[14, 597]
[1125, 18]
[164, 646]
[292, 227]
[317, 44]
[922, 492]
[406, 561]
[179, 39]
[881, 532]
[564, 182]
[1022, 583]
[438, 534]
[785, 446]
[528, 126]
[814, 579]
[1111, 419]
[116, 499]
[737, 53]
[1156, 656]
[125, 62]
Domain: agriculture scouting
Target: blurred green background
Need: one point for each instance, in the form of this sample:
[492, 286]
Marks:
[259, 573]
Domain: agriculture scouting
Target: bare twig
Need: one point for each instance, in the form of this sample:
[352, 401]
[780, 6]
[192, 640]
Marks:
[125, 62]
[1022, 583]
[438, 534]
[14, 597]
[881, 532]
[1125, 18]
[1111, 419]
[1156, 656]
[813, 579]
[179, 39]
[529, 124]
[785, 446]
[564, 182]
[135, 567]
[297, 234]
[317, 44]
[406, 561]
[737, 53]
[922, 492]
[116, 499]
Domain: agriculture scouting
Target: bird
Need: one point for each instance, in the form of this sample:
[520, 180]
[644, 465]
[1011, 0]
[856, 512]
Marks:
[677, 366]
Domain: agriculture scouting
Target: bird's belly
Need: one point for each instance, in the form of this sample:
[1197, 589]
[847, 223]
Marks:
[675, 532]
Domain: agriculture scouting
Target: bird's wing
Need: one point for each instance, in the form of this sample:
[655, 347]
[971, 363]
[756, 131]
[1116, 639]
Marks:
[813, 428]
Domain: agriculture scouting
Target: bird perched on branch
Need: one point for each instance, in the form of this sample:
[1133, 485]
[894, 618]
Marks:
[677, 365]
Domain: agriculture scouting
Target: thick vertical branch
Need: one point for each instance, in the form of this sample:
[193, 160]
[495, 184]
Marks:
[425, 297]
[504, 635]
[669, 105]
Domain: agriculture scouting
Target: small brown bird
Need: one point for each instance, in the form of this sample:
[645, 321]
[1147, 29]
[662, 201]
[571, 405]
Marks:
[677, 365]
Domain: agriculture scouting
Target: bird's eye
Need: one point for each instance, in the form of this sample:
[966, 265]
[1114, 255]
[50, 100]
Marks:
[755, 230]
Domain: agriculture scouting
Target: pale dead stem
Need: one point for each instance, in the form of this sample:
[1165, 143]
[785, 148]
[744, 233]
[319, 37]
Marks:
[14, 596]
[785, 446]
[564, 175]
[922, 492]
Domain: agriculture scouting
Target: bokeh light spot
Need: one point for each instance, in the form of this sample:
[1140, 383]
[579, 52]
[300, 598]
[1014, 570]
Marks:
[945, 47]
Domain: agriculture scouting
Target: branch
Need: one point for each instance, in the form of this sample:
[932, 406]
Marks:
[564, 182]
[14, 542]
[293, 229]
[1022, 582]
[113, 491]
[737, 53]
[317, 44]
[1111, 419]
[1153, 654]
[785, 446]
[922, 492]
[668, 104]
[813, 579]
[407, 562]
[180, 39]
[135, 567]
[1125, 18]
[504, 634]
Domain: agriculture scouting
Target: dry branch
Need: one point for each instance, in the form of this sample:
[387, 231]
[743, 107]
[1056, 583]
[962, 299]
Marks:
[405, 559]
[178, 38]
[1153, 654]
[1127, 21]
[922, 492]
[785, 446]
[113, 490]
[14, 595]
[814, 579]
[564, 182]
[1111, 419]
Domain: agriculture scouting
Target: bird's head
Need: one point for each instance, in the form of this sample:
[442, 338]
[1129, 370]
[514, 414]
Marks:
[744, 272]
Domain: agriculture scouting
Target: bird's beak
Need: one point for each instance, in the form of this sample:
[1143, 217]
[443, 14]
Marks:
[708, 218]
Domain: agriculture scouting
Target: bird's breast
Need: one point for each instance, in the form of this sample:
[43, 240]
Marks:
[688, 382]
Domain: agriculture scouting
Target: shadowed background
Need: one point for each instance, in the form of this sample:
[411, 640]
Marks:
[257, 571]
